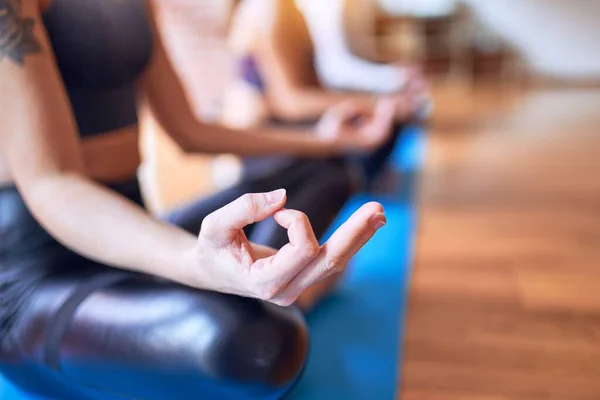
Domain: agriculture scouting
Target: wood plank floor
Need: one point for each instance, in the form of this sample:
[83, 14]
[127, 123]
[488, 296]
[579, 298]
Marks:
[504, 301]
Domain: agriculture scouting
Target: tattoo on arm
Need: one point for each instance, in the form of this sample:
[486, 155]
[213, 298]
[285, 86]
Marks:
[16, 33]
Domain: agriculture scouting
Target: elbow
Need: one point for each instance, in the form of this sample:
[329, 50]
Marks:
[185, 145]
[202, 139]
[38, 189]
[184, 132]
[188, 142]
[51, 185]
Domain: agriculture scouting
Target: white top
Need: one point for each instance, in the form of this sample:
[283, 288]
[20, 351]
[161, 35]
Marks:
[337, 67]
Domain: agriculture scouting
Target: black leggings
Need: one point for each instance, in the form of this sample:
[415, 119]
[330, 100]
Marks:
[103, 334]
[362, 169]
[319, 188]
[88, 331]
[81, 330]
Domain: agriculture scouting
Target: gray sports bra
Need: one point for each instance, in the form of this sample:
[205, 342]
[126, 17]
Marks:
[101, 47]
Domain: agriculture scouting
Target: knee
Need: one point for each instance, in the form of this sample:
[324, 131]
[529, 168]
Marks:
[264, 346]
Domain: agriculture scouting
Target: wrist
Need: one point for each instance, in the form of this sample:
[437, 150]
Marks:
[326, 140]
[181, 263]
[190, 271]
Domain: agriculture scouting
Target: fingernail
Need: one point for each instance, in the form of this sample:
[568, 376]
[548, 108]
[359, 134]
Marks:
[377, 221]
[275, 196]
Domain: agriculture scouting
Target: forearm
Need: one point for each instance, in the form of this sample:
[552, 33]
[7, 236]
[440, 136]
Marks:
[336, 65]
[171, 110]
[103, 226]
[303, 104]
[212, 138]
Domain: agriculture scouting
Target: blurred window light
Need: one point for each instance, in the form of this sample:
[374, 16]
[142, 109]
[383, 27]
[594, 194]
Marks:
[418, 8]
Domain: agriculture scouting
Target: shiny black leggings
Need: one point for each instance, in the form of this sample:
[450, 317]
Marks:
[102, 334]
[319, 188]
[88, 331]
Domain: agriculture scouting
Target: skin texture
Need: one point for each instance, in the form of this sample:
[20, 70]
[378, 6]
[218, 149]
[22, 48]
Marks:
[163, 93]
[42, 154]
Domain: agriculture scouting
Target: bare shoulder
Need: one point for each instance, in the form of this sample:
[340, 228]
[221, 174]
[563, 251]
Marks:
[281, 12]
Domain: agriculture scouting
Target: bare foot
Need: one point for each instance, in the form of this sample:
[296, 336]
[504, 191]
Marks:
[317, 292]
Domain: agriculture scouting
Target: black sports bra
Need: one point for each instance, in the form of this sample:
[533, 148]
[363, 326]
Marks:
[101, 48]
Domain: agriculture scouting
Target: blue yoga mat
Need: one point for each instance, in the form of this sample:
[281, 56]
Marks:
[356, 333]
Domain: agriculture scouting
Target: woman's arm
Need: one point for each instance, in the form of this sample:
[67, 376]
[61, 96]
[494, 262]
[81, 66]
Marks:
[337, 66]
[163, 93]
[288, 94]
[38, 141]
[359, 28]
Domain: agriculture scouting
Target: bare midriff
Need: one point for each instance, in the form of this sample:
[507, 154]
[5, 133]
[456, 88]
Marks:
[111, 157]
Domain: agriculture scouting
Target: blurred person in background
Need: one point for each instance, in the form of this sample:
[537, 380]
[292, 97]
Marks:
[295, 61]
[99, 298]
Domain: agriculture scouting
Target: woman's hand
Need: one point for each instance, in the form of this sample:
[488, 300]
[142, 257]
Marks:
[415, 88]
[413, 76]
[347, 127]
[231, 264]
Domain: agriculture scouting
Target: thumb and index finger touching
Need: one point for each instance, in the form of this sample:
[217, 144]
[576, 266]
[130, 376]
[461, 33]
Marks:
[245, 210]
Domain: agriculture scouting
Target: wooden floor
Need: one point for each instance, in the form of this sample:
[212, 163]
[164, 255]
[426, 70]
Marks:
[504, 301]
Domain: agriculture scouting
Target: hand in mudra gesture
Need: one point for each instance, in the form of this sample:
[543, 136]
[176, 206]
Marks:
[352, 128]
[234, 265]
